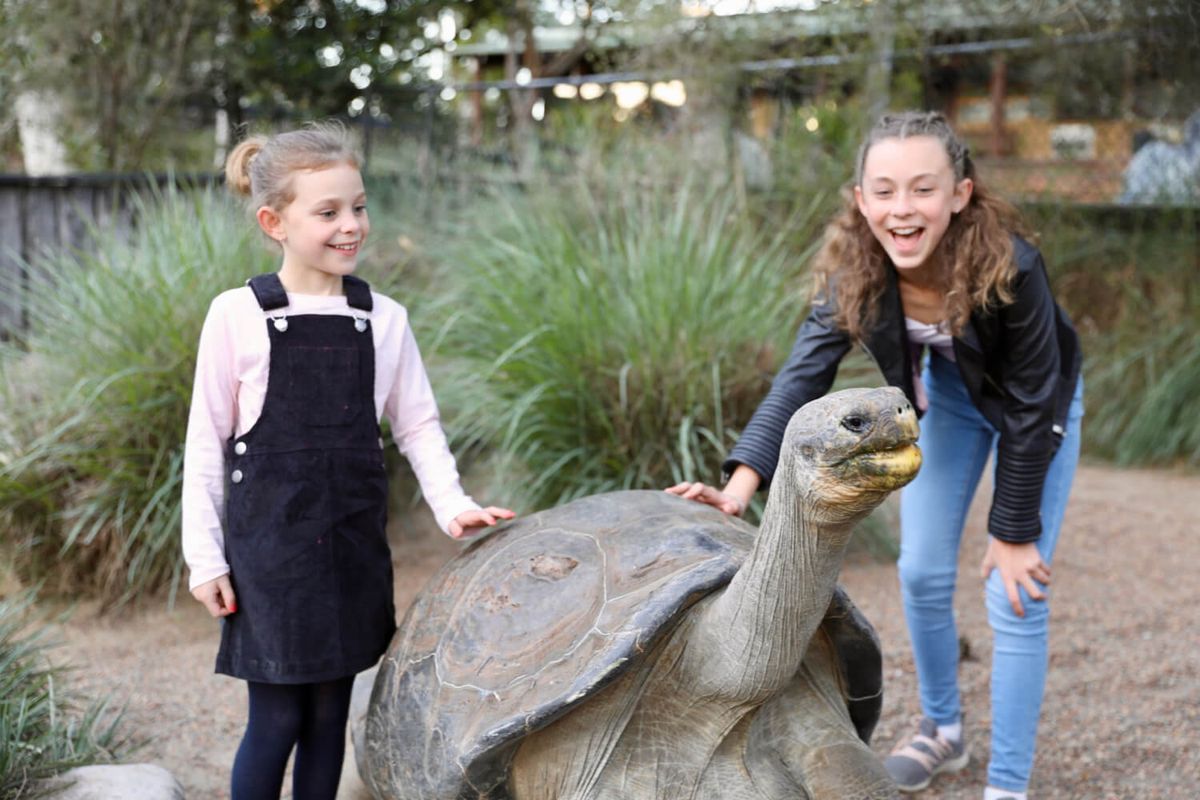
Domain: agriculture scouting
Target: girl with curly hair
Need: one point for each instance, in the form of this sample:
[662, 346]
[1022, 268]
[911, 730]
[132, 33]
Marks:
[929, 273]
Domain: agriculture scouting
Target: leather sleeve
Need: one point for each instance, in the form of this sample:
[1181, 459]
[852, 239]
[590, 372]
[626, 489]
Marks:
[806, 375]
[1029, 370]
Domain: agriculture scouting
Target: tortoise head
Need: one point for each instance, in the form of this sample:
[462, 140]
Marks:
[845, 452]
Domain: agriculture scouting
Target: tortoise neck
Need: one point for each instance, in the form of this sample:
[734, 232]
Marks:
[761, 624]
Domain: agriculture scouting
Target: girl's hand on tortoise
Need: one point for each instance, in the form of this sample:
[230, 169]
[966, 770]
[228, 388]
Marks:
[1019, 565]
[468, 523]
[709, 495]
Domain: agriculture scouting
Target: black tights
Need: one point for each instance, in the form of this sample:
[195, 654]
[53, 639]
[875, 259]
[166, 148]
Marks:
[310, 717]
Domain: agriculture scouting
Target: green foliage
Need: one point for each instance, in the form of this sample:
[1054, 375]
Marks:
[1127, 281]
[91, 442]
[45, 729]
[612, 337]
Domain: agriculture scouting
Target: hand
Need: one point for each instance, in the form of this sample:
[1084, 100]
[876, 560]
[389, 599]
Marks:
[709, 495]
[468, 522]
[217, 596]
[1018, 564]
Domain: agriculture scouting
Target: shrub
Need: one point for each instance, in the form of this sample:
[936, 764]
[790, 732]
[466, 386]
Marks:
[1127, 281]
[616, 337]
[44, 728]
[98, 388]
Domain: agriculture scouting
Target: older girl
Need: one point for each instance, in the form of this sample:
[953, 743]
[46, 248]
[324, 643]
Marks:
[925, 269]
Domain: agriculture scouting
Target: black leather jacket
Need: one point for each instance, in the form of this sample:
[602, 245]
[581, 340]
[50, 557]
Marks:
[1020, 363]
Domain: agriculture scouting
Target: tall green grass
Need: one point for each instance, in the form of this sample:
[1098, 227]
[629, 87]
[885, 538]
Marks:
[614, 336]
[97, 392]
[45, 728]
[1129, 284]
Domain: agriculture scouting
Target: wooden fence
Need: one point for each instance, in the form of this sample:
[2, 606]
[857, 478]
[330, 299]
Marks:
[44, 214]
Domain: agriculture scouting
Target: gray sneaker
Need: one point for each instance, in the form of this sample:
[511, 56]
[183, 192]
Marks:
[913, 765]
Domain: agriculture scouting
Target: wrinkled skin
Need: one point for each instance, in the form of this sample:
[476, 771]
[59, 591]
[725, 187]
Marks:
[626, 686]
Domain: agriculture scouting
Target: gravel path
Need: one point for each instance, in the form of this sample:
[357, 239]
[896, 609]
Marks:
[1121, 717]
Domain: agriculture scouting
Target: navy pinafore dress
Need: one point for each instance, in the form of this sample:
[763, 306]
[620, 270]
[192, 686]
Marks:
[306, 504]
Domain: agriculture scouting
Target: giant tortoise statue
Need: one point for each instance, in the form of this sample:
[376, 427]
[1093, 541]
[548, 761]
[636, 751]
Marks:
[636, 645]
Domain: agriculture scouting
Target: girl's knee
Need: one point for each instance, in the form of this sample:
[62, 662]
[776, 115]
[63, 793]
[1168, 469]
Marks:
[1004, 618]
[923, 583]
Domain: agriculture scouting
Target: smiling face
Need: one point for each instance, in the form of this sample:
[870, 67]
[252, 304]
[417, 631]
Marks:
[908, 194]
[321, 230]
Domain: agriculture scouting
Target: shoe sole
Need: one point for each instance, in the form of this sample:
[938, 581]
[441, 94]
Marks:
[951, 765]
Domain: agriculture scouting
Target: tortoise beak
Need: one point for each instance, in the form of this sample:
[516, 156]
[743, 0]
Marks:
[892, 468]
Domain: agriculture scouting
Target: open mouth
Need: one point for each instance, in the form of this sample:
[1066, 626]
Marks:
[348, 249]
[907, 239]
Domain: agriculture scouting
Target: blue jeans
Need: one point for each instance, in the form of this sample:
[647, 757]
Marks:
[956, 441]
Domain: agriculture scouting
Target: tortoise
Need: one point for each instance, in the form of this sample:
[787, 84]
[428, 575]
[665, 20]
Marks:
[639, 645]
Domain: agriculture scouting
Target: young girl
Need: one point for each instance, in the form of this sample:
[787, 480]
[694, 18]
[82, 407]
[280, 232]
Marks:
[284, 491]
[924, 259]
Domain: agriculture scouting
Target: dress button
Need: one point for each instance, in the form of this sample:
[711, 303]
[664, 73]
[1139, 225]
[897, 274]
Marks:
[236, 476]
[360, 324]
[281, 324]
[240, 448]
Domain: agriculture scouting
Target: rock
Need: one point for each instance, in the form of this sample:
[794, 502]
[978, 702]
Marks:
[116, 782]
[360, 701]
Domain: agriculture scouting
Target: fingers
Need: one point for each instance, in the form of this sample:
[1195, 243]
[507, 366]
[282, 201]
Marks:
[1032, 589]
[211, 604]
[464, 524]
[692, 490]
[703, 493]
[227, 599]
[502, 513]
[986, 566]
[1014, 597]
[217, 596]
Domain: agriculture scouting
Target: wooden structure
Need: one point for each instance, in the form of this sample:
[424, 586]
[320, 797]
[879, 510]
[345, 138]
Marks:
[45, 214]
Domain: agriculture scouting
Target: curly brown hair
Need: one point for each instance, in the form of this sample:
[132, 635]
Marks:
[975, 255]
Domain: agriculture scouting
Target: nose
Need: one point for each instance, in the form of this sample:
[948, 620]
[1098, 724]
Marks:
[906, 419]
[350, 223]
[903, 205]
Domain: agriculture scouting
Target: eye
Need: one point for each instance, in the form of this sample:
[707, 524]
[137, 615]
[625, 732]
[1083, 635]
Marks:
[327, 214]
[855, 423]
[924, 190]
[360, 209]
[883, 192]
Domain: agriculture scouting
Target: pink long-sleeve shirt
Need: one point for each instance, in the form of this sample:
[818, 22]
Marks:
[231, 383]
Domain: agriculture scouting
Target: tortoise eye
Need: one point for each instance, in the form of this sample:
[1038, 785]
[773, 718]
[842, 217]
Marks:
[854, 423]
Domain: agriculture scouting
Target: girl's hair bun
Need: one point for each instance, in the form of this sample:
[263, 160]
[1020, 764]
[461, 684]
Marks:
[237, 165]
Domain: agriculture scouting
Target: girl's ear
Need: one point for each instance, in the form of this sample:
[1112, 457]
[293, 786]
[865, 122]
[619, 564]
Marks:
[271, 223]
[962, 194]
[858, 199]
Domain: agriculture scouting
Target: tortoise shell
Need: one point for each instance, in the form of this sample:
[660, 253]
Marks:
[528, 623]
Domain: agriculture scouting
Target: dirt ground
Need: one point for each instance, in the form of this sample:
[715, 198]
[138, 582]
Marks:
[1121, 717]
